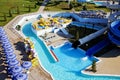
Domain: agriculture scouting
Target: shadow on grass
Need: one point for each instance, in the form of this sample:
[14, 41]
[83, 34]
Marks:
[100, 7]
[65, 9]
[54, 3]
[2, 20]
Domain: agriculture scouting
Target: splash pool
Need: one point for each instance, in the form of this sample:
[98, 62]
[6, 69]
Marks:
[71, 61]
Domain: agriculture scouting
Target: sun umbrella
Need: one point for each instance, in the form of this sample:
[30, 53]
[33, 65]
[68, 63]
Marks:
[13, 63]
[7, 46]
[21, 76]
[4, 38]
[10, 56]
[8, 60]
[8, 49]
[5, 42]
[16, 70]
[2, 34]
[7, 53]
[26, 64]
[1, 28]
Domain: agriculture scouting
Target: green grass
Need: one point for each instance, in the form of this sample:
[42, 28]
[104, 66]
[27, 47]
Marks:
[6, 5]
[57, 6]
[63, 6]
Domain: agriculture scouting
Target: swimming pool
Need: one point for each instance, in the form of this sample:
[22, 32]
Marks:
[99, 3]
[71, 61]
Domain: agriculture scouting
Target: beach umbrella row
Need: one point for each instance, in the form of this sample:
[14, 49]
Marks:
[13, 67]
[6, 45]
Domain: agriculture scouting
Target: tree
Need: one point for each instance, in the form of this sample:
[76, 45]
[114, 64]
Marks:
[84, 7]
[5, 17]
[39, 1]
[94, 66]
[75, 44]
[29, 8]
[70, 6]
[10, 14]
[18, 11]
[18, 27]
[35, 5]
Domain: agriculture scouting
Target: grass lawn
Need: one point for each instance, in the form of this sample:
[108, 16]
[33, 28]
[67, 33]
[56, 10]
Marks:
[23, 6]
[62, 5]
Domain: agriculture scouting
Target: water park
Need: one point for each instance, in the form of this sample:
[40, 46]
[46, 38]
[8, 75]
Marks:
[67, 45]
[58, 56]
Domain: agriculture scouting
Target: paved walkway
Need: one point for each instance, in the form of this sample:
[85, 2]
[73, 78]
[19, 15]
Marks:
[109, 63]
[36, 72]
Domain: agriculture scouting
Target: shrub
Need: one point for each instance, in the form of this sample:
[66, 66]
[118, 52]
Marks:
[18, 27]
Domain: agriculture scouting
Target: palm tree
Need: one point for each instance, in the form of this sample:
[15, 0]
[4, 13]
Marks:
[76, 40]
[29, 8]
[10, 14]
[94, 66]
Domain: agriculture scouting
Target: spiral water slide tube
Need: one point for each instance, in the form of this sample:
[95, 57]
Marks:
[92, 36]
[114, 32]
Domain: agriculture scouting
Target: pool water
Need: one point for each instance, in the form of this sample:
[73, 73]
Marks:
[100, 3]
[71, 61]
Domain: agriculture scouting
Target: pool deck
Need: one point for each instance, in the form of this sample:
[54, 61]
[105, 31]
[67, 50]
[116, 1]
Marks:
[109, 62]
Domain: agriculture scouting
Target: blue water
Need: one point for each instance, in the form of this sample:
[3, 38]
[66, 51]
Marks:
[71, 61]
[100, 3]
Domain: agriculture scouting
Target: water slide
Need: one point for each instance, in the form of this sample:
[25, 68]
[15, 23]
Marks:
[28, 32]
[113, 6]
[90, 26]
[91, 51]
[92, 36]
[114, 16]
[54, 56]
[64, 31]
[79, 19]
[114, 32]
